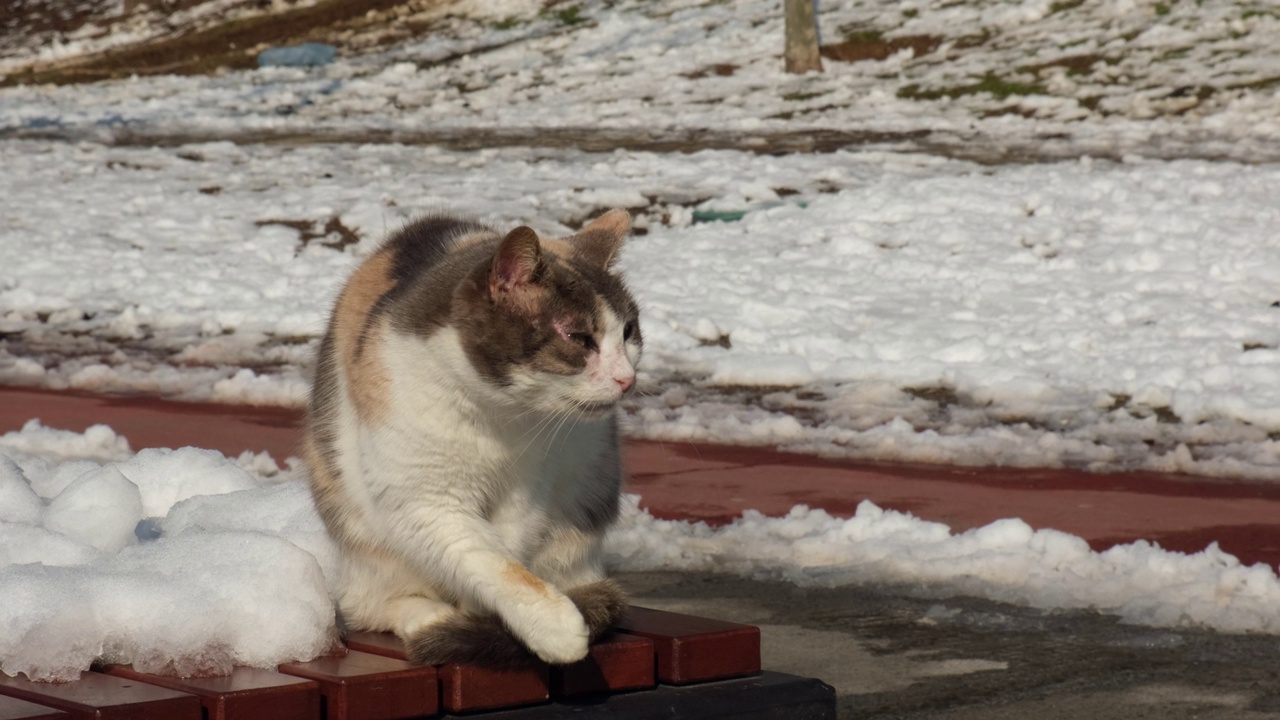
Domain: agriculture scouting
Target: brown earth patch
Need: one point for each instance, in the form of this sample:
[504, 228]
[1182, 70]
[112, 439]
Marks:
[871, 47]
[232, 45]
[1075, 64]
[333, 234]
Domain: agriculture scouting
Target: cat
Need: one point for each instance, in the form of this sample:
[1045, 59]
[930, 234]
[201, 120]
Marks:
[462, 438]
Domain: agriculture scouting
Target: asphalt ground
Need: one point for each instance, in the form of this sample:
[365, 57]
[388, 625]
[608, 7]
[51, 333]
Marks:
[898, 653]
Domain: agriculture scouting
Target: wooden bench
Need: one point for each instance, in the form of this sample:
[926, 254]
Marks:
[700, 667]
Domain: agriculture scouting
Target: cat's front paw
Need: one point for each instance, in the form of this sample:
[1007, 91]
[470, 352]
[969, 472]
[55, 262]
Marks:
[555, 632]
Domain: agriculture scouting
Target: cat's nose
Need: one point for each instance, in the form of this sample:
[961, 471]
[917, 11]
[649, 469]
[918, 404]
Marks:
[625, 382]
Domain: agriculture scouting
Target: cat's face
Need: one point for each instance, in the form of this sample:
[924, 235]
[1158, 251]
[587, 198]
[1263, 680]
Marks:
[555, 331]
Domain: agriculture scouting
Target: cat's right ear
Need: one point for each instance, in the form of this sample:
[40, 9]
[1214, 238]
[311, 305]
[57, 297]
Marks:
[516, 265]
[599, 241]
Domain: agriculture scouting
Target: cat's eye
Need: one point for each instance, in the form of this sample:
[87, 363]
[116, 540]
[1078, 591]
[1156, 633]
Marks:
[629, 330]
[583, 339]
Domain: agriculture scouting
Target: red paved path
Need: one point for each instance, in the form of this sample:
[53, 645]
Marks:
[715, 483]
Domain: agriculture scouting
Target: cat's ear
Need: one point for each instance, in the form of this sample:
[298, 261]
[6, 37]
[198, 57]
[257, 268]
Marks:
[516, 264]
[598, 242]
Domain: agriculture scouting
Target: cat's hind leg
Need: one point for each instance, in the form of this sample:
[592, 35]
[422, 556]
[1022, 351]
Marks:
[379, 593]
[602, 604]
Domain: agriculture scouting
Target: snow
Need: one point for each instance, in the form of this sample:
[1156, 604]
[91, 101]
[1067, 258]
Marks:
[885, 306]
[231, 578]
[1006, 561]
[244, 576]
[100, 508]
[18, 502]
[192, 604]
[166, 477]
[1050, 79]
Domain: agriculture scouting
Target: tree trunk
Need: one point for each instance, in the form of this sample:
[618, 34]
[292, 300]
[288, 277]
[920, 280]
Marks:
[802, 37]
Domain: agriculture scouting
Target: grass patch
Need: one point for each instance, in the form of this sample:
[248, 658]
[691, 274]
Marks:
[1064, 5]
[859, 33]
[1076, 65]
[799, 96]
[1090, 103]
[990, 84]
[570, 16]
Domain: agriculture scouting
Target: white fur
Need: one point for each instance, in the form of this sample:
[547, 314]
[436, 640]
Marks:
[462, 480]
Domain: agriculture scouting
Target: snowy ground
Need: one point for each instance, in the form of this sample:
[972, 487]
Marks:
[875, 304]
[878, 302]
[988, 77]
[869, 305]
[183, 561]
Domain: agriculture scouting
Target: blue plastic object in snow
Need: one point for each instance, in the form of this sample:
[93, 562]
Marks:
[304, 55]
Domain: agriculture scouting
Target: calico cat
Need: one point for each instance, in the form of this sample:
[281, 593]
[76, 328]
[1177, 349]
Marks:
[462, 439]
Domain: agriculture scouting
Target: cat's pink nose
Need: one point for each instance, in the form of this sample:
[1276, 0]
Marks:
[625, 382]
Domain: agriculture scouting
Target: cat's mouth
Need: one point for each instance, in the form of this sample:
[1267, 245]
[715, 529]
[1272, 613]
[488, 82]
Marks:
[596, 408]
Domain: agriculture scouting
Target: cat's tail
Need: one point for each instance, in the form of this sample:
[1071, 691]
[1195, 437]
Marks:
[485, 640]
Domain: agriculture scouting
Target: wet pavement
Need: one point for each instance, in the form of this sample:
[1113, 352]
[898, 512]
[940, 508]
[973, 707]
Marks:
[893, 653]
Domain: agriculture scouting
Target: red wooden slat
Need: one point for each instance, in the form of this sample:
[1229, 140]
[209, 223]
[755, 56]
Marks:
[384, 644]
[465, 688]
[15, 709]
[692, 649]
[361, 686]
[245, 694]
[102, 697]
[617, 662]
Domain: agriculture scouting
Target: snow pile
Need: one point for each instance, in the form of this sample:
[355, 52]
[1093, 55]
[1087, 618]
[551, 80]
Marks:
[197, 603]
[1006, 561]
[34, 444]
[243, 576]
[225, 585]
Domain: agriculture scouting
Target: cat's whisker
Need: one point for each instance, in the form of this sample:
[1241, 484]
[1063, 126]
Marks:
[556, 432]
[516, 417]
[647, 388]
[542, 425]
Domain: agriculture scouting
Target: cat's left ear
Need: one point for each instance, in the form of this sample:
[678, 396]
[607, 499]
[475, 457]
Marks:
[598, 242]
